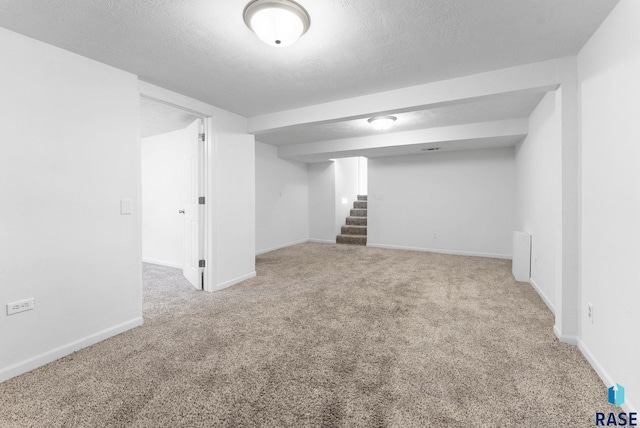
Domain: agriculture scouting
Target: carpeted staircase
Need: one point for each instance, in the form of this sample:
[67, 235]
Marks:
[355, 231]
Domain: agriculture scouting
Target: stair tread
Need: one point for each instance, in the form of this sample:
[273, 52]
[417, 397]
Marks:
[354, 229]
[357, 221]
[345, 238]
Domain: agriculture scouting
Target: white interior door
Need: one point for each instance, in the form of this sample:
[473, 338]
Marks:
[192, 209]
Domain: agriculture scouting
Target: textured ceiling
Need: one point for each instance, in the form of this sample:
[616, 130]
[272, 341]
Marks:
[202, 48]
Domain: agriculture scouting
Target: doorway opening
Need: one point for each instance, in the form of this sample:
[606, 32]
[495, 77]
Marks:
[173, 177]
[351, 200]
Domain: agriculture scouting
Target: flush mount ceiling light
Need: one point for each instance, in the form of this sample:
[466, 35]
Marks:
[382, 122]
[277, 22]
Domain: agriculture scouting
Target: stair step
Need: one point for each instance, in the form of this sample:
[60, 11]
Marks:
[360, 204]
[362, 197]
[356, 221]
[351, 239]
[358, 212]
[354, 230]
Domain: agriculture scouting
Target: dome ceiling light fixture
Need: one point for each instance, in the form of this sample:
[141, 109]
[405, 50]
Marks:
[381, 123]
[277, 22]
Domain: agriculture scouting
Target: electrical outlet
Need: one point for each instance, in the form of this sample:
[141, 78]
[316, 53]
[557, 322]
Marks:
[590, 312]
[21, 306]
[435, 235]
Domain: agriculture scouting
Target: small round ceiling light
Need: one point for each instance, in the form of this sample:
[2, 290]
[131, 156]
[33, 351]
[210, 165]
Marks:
[382, 122]
[277, 22]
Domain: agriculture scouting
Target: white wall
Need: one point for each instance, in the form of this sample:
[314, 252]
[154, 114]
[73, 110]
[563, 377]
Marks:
[538, 198]
[69, 154]
[282, 200]
[235, 206]
[465, 197]
[362, 175]
[346, 183]
[608, 70]
[163, 184]
[322, 202]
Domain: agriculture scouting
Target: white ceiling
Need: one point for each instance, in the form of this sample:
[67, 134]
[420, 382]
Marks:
[202, 48]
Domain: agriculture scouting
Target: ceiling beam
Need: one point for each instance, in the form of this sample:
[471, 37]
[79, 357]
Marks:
[530, 78]
[422, 137]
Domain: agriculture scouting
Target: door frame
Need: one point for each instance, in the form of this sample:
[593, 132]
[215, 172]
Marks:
[206, 112]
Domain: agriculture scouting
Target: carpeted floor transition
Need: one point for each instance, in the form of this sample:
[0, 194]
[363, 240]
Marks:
[325, 335]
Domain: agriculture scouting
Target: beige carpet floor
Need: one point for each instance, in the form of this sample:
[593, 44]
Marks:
[325, 335]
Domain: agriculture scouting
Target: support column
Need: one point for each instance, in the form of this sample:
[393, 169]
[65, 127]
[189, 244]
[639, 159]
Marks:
[567, 326]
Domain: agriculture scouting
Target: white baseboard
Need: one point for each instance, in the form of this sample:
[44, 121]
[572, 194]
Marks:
[234, 281]
[321, 241]
[603, 374]
[62, 351]
[543, 296]
[440, 251]
[162, 263]
[302, 241]
[571, 340]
